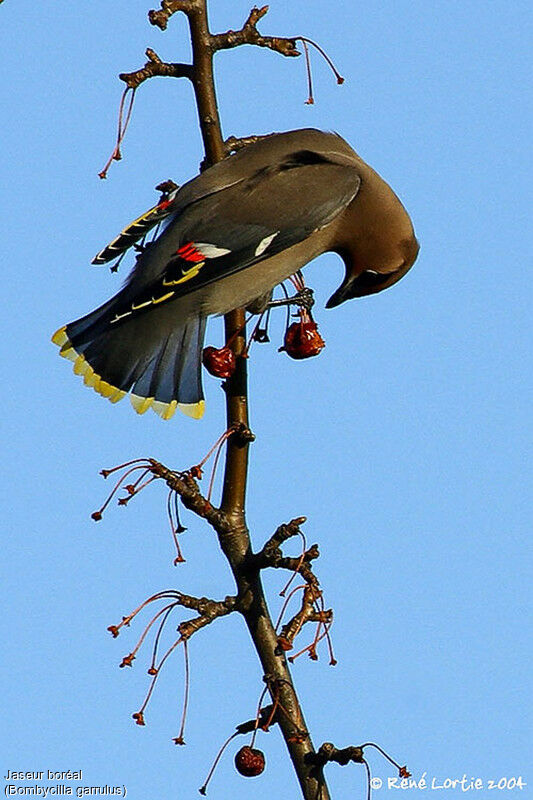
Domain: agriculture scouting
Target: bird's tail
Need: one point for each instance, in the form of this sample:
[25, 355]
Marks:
[154, 356]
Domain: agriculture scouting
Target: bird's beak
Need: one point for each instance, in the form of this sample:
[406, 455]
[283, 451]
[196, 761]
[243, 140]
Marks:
[369, 281]
[343, 292]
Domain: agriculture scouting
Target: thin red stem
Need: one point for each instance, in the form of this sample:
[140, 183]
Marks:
[286, 603]
[121, 129]
[368, 779]
[174, 528]
[203, 788]
[115, 489]
[310, 647]
[298, 566]
[147, 628]
[152, 685]
[168, 610]
[106, 472]
[258, 715]
[186, 695]
[304, 39]
[169, 593]
[383, 753]
[310, 99]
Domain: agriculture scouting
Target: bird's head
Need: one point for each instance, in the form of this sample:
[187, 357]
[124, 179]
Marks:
[369, 272]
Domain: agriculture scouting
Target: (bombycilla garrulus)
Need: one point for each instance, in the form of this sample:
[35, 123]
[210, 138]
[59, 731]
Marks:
[230, 235]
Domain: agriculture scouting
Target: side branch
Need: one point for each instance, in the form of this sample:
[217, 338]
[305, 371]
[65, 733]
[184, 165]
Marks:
[272, 556]
[307, 613]
[186, 487]
[249, 34]
[156, 67]
[271, 549]
[210, 610]
[168, 8]
[328, 752]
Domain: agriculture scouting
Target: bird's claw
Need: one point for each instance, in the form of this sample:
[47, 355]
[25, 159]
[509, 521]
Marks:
[303, 299]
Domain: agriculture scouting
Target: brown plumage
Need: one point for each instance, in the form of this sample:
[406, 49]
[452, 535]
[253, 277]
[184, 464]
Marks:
[231, 235]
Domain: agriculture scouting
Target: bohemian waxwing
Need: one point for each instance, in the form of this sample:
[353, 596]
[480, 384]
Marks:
[230, 235]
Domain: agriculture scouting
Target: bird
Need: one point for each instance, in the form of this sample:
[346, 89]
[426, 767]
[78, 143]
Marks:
[229, 236]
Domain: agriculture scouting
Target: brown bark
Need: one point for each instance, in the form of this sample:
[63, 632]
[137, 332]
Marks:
[235, 541]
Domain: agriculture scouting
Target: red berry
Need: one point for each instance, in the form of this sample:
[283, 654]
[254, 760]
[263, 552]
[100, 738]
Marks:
[219, 362]
[302, 340]
[249, 762]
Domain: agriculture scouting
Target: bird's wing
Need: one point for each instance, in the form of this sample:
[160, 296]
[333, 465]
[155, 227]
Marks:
[237, 227]
[135, 231]
[229, 172]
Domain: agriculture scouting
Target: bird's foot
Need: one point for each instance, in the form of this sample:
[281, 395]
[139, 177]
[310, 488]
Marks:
[303, 299]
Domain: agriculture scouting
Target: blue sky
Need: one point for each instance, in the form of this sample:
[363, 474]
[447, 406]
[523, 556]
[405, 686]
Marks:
[406, 443]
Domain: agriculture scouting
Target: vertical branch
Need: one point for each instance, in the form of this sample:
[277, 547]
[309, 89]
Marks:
[236, 543]
[236, 470]
[236, 467]
[203, 82]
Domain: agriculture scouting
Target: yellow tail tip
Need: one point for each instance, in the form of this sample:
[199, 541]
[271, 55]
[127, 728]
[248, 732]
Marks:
[194, 410]
[165, 410]
[112, 393]
[60, 336]
[141, 404]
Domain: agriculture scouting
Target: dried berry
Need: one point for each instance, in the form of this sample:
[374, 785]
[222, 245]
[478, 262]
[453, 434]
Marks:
[302, 340]
[249, 762]
[219, 362]
[284, 643]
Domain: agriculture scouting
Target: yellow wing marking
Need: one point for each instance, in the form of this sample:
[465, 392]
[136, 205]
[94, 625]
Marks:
[187, 274]
[161, 299]
[120, 316]
[154, 301]
[141, 305]
[107, 254]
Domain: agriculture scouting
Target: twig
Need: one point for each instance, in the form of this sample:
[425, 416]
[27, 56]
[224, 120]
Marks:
[209, 611]
[156, 67]
[168, 8]
[307, 613]
[186, 487]
[328, 752]
[249, 34]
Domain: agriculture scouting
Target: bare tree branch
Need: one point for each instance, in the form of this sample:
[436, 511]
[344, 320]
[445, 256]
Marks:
[328, 752]
[249, 34]
[155, 67]
[229, 521]
[168, 8]
[210, 610]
